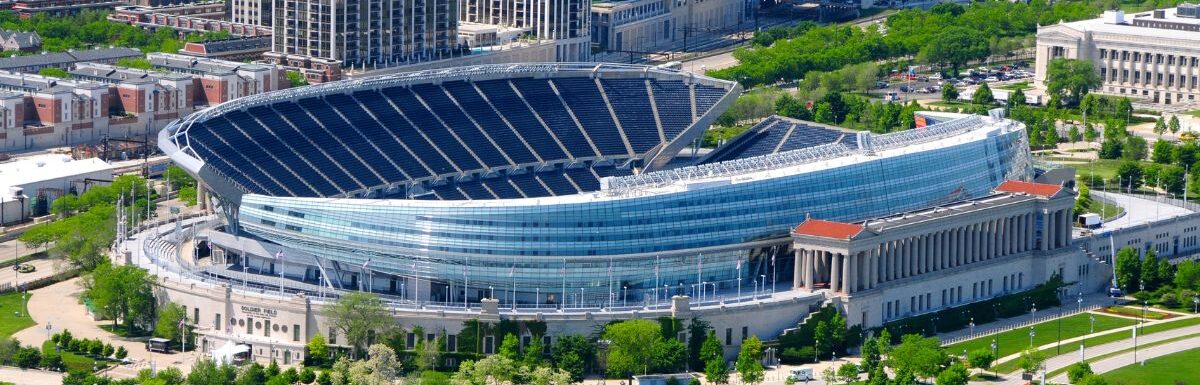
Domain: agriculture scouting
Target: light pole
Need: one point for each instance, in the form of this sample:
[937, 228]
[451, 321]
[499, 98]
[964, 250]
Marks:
[491, 292]
[972, 324]
[1092, 319]
[994, 347]
[762, 278]
[624, 296]
[1195, 303]
[1031, 334]
[739, 288]
[1079, 304]
[1033, 315]
[703, 289]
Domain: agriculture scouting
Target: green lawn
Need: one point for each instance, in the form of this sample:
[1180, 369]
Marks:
[1014, 341]
[73, 362]
[1011, 365]
[13, 317]
[1022, 85]
[1104, 209]
[1176, 368]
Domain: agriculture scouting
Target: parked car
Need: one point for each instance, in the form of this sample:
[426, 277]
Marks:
[937, 76]
[991, 79]
[881, 84]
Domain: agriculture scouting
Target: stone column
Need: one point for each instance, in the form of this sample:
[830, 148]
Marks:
[798, 269]
[810, 263]
[1046, 219]
[835, 272]
[887, 260]
[873, 277]
[850, 275]
[1067, 225]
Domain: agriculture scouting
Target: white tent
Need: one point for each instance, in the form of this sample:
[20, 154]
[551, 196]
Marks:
[227, 353]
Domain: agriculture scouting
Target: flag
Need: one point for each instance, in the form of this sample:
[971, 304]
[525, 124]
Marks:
[513, 270]
[772, 259]
[368, 262]
[739, 264]
[279, 255]
[181, 321]
[609, 268]
[562, 271]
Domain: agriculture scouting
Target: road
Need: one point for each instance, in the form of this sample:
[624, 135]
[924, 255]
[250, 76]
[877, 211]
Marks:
[14, 249]
[1138, 211]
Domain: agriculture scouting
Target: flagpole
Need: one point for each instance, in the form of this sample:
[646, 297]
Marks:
[513, 273]
[466, 283]
[281, 266]
[610, 283]
[562, 273]
[699, 268]
[657, 263]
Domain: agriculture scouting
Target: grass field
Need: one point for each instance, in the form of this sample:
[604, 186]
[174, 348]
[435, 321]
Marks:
[1022, 85]
[1010, 366]
[1176, 368]
[1014, 341]
[73, 362]
[13, 317]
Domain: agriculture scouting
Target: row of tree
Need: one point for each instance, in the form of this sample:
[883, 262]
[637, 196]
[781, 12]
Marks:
[91, 28]
[949, 35]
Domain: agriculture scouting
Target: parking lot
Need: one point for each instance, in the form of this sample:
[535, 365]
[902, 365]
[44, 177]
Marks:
[928, 85]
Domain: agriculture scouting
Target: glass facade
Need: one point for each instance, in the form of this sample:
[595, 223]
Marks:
[599, 246]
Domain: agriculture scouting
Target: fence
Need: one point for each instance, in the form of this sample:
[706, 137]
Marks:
[1018, 325]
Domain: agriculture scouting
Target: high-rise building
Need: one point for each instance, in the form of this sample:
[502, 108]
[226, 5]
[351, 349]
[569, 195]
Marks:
[363, 32]
[254, 12]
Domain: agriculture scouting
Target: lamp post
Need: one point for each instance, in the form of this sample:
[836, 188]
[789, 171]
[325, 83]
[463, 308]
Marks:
[624, 296]
[1031, 334]
[994, 347]
[739, 288]
[1092, 319]
[1079, 304]
[762, 278]
[1033, 314]
[972, 325]
[1195, 303]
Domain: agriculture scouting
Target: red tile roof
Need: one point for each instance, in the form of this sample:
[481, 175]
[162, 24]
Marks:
[1031, 188]
[828, 229]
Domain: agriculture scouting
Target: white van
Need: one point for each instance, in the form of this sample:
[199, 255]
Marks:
[802, 374]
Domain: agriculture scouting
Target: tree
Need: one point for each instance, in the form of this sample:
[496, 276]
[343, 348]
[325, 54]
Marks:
[749, 361]
[1017, 99]
[27, 357]
[1160, 126]
[108, 351]
[296, 79]
[822, 339]
[1172, 178]
[357, 314]
[669, 355]
[510, 347]
[791, 107]
[1078, 371]
[493, 369]
[1125, 108]
[870, 355]
[1129, 269]
[1134, 148]
[572, 353]
[52, 361]
[1031, 360]
[1173, 125]
[121, 293]
[921, 356]
[715, 369]
[121, 353]
[170, 318]
[631, 346]
[949, 92]
[1084, 200]
[1050, 136]
[1164, 151]
[318, 351]
[1187, 275]
[1071, 79]
[209, 372]
[54, 72]
[955, 47]
[983, 95]
[823, 113]
[1092, 380]
[1149, 271]
[1073, 134]
[1089, 133]
[307, 376]
[955, 374]
[981, 359]
[848, 372]
[381, 367]
[1129, 174]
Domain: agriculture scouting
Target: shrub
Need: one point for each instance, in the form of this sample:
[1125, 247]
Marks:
[1169, 300]
[52, 361]
[121, 353]
[793, 356]
[672, 381]
[1078, 371]
[27, 357]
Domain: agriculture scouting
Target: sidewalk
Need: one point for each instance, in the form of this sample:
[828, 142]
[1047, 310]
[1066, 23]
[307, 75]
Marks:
[1071, 347]
[1125, 359]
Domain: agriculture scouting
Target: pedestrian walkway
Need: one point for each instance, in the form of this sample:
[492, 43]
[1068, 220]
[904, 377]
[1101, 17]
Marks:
[30, 377]
[1073, 345]
[1127, 358]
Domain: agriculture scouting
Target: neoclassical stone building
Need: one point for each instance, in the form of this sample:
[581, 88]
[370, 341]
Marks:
[1150, 56]
[917, 262]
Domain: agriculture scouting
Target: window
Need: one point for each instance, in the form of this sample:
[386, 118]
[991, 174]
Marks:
[745, 333]
[546, 345]
[451, 343]
[410, 341]
[217, 321]
[489, 345]
[332, 336]
[728, 336]
[196, 316]
[295, 332]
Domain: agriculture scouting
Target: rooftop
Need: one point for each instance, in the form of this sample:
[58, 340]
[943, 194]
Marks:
[1031, 188]
[45, 167]
[828, 229]
[59, 59]
[1116, 22]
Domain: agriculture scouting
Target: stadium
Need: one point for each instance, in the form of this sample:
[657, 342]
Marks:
[551, 184]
